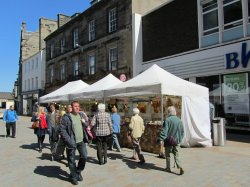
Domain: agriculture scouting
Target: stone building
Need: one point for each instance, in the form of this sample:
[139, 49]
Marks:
[31, 43]
[96, 42]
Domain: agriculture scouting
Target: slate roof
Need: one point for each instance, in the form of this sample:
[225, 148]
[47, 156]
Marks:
[6, 95]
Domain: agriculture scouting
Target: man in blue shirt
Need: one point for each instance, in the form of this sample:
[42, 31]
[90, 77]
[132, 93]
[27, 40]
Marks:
[116, 120]
[10, 118]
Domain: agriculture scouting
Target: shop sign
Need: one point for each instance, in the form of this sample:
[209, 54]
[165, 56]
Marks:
[123, 77]
[233, 59]
[235, 92]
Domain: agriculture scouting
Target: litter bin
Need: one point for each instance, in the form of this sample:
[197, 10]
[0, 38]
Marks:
[219, 131]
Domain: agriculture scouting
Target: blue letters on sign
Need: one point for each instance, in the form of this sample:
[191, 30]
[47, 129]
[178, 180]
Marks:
[232, 60]
[244, 55]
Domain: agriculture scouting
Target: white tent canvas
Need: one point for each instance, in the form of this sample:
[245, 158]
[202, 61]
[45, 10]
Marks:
[96, 90]
[195, 100]
[62, 94]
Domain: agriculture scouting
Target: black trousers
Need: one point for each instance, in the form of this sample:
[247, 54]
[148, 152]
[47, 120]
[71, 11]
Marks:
[12, 126]
[40, 140]
[101, 145]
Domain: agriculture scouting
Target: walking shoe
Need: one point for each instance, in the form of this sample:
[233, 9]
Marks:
[74, 181]
[118, 150]
[79, 177]
[181, 171]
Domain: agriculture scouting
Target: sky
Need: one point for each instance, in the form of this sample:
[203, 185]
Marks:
[13, 13]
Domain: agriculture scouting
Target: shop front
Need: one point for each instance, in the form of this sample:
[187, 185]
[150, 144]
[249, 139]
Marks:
[225, 71]
[28, 101]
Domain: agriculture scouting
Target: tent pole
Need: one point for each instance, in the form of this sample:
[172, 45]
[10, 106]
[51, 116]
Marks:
[161, 109]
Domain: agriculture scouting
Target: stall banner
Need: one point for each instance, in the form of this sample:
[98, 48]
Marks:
[235, 92]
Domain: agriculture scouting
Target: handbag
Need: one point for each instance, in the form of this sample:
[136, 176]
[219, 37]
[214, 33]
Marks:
[90, 133]
[171, 140]
[35, 124]
[129, 136]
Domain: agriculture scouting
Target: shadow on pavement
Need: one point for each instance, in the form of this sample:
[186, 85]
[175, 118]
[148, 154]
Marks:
[237, 137]
[52, 171]
[115, 156]
[92, 160]
[133, 164]
[29, 146]
[2, 136]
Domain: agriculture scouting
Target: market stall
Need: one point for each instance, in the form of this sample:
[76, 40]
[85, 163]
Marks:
[157, 83]
[95, 90]
[62, 94]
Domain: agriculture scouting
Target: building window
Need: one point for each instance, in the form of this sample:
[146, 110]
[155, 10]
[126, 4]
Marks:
[52, 50]
[91, 63]
[28, 84]
[62, 71]
[51, 74]
[62, 45]
[112, 20]
[232, 13]
[248, 10]
[32, 83]
[25, 85]
[113, 58]
[76, 69]
[91, 30]
[36, 62]
[32, 64]
[36, 82]
[75, 38]
[210, 17]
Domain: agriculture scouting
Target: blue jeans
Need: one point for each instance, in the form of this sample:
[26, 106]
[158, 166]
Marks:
[115, 141]
[74, 170]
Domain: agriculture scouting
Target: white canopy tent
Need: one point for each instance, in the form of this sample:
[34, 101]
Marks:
[96, 90]
[195, 100]
[62, 94]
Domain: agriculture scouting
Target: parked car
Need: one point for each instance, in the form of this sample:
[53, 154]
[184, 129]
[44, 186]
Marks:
[1, 113]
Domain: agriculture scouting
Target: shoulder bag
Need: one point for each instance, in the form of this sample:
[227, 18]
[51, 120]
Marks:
[35, 124]
[171, 140]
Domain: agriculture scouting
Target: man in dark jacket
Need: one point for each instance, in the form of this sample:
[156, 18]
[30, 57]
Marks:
[172, 127]
[73, 133]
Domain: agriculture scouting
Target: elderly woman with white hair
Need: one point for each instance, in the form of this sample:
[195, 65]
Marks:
[137, 129]
[103, 125]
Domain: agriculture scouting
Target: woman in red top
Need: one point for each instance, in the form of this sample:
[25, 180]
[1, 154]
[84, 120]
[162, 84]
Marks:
[42, 129]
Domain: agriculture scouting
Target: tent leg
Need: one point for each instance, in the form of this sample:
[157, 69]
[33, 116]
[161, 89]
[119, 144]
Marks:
[162, 115]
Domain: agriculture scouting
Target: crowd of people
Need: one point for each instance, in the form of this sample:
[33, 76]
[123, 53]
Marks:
[69, 128]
